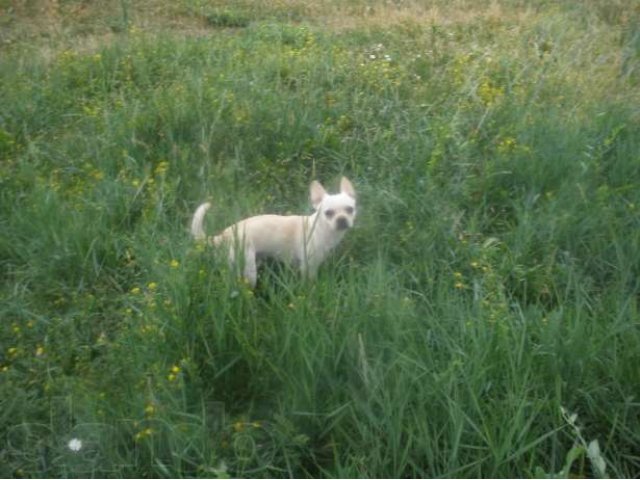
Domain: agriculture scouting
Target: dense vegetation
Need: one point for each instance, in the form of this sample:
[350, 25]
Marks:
[481, 320]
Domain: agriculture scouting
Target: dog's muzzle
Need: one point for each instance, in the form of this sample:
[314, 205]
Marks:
[342, 223]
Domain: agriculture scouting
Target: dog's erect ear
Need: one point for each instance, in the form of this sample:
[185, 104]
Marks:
[317, 193]
[346, 187]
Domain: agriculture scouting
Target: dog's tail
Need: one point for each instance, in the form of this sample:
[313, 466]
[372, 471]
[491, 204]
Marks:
[198, 219]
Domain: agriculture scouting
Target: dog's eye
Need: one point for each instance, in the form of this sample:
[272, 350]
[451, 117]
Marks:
[329, 213]
[349, 210]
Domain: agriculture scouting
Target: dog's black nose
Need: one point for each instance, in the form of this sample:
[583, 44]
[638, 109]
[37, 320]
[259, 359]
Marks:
[342, 223]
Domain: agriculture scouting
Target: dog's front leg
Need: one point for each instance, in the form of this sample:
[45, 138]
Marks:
[250, 266]
[246, 260]
[308, 268]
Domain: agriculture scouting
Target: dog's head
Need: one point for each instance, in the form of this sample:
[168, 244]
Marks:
[337, 210]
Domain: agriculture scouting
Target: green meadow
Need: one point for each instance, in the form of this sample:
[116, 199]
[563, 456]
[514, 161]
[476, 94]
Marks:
[481, 320]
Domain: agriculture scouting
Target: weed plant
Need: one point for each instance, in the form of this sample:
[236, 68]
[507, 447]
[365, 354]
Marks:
[482, 320]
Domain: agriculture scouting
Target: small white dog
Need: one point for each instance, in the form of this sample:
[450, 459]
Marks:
[302, 240]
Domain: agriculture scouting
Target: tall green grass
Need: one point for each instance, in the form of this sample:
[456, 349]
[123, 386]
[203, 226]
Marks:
[481, 320]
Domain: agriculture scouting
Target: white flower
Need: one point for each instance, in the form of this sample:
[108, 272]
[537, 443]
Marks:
[75, 444]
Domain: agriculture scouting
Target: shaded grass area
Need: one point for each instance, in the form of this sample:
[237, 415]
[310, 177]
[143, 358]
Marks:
[481, 320]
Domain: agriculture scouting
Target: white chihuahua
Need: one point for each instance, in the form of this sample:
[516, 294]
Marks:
[301, 240]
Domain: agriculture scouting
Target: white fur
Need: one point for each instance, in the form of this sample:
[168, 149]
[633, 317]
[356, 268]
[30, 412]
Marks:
[299, 239]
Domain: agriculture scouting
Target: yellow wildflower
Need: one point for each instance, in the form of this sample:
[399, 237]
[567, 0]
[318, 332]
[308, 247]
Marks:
[97, 174]
[507, 145]
[162, 168]
[147, 432]
[175, 370]
[238, 427]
